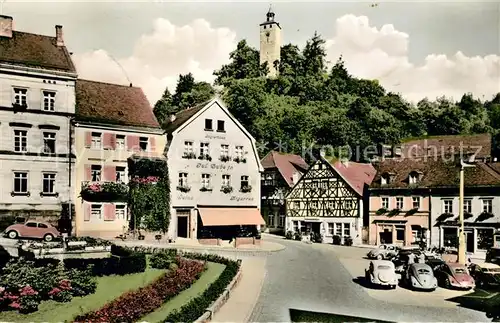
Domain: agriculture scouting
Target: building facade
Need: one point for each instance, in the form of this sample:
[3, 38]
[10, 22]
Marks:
[481, 209]
[329, 200]
[113, 122]
[37, 104]
[281, 172]
[400, 203]
[214, 172]
[270, 44]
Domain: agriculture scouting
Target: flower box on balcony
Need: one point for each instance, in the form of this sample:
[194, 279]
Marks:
[189, 156]
[205, 157]
[225, 158]
[226, 189]
[484, 216]
[246, 189]
[205, 189]
[184, 188]
[104, 192]
[240, 160]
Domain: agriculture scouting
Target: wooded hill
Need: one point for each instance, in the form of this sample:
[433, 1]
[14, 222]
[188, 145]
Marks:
[307, 103]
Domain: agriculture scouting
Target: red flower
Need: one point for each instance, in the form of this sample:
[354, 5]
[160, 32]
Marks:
[27, 291]
[15, 305]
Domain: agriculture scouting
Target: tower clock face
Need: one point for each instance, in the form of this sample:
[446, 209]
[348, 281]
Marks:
[268, 34]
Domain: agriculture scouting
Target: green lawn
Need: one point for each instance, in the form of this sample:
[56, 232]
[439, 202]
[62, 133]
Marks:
[480, 300]
[307, 316]
[208, 277]
[108, 288]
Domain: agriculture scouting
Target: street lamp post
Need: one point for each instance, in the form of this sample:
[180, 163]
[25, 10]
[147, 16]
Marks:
[461, 238]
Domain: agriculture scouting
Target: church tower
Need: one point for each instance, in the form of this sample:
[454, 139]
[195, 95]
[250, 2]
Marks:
[270, 43]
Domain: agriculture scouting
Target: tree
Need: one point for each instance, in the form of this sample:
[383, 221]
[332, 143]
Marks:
[314, 54]
[163, 107]
[245, 63]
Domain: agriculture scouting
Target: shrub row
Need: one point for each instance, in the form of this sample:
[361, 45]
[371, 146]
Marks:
[24, 285]
[164, 259]
[132, 306]
[191, 311]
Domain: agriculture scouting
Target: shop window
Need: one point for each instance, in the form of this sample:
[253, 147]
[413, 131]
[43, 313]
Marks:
[450, 237]
[400, 234]
[484, 238]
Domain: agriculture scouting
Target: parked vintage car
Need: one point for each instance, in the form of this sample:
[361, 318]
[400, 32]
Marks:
[420, 277]
[435, 263]
[382, 272]
[384, 251]
[493, 255]
[454, 275]
[32, 229]
[486, 275]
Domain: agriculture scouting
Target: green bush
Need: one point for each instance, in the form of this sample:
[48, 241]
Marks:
[289, 235]
[82, 281]
[191, 311]
[297, 236]
[163, 260]
[6, 221]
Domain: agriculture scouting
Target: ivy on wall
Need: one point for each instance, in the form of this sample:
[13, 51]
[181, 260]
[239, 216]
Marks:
[149, 198]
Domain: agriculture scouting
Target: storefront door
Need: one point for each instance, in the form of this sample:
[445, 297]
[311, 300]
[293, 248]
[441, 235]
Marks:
[469, 240]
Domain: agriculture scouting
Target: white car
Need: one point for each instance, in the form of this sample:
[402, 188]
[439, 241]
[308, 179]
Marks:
[384, 251]
[382, 272]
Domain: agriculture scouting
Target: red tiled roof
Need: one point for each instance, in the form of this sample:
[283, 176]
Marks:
[35, 51]
[113, 103]
[495, 166]
[434, 173]
[479, 144]
[287, 164]
[356, 174]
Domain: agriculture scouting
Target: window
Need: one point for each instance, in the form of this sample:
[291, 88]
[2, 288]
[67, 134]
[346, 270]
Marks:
[448, 206]
[120, 142]
[49, 142]
[399, 203]
[96, 140]
[239, 151]
[413, 178]
[484, 239]
[49, 100]
[205, 180]
[49, 183]
[20, 140]
[95, 173]
[224, 150]
[244, 181]
[42, 225]
[384, 180]
[183, 179]
[330, 229]
[220, 126]
[295, 226]
[467, 206]
[385, 203]
[21, 97]
[20, 182]
[281, 223]
[204, 148]
[120, 174]
[144, 143]
[208, 124]
[349, 204]
[415, 200]
[31, 224]
[271, 220]
[347, 229]
[296, 205]
[400, 233]
[226, 180]
[450, 237]
[120, 212]
[314, 204]
[488, 205]
[188, 147]
[338, 229]
[96, 211]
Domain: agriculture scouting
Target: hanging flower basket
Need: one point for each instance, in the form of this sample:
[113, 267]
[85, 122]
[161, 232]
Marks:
[240, 160]
[225, 158]
[381, 211]
[189, 156]
[184, 189]
[484, 216]
[105, 192]
[411, 212]
[226, 189]
[246, 189]
[444, 217]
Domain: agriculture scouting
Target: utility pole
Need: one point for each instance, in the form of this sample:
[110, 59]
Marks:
[461, 238]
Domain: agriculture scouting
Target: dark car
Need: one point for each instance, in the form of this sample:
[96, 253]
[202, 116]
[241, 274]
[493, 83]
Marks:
[486, 275]
[435, 262]
[493, 255]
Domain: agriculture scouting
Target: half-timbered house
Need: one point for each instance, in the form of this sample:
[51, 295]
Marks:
[329, 200]
[281, 172]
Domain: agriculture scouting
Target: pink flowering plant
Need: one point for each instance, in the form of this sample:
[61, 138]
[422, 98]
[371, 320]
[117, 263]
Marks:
[104, 192]
[146, 180]
[63, 292]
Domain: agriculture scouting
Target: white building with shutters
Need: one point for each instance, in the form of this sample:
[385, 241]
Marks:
[37, 103]
[113, 122]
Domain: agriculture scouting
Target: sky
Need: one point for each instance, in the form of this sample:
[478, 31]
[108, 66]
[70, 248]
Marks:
[419, 48]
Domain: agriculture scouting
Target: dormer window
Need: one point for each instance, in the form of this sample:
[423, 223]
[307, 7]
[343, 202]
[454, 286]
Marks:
[414, 177]
[385, 179]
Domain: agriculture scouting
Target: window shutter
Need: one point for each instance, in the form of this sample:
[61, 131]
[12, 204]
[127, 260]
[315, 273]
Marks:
[152, 142]
[107, 140]
[132, 142]
[109, 212]
[86, 211]
[110, 173]
[88, 139]
[88, 173]
[113, 141]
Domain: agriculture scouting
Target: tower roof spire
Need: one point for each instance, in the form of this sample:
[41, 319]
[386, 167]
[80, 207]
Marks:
[270, 13]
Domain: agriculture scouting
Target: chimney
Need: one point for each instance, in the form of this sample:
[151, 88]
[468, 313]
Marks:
[5, 26]
[172, 118]
[59, 36]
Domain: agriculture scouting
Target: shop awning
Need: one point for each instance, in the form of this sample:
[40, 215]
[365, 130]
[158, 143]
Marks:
[230, 216]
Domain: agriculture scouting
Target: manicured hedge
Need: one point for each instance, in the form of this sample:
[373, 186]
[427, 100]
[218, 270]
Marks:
[191, 311]
[132, 306]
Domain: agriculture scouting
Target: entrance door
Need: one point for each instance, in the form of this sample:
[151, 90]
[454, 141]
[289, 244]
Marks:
[386, 237]
[469, 240]
[316, 227]
[182, 227]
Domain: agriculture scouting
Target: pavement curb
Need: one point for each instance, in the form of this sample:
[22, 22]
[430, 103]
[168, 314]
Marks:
[219, 302]
[247, 319]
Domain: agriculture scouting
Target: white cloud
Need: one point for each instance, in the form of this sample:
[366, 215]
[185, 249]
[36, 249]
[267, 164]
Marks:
[382, 54]
[159, 57]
